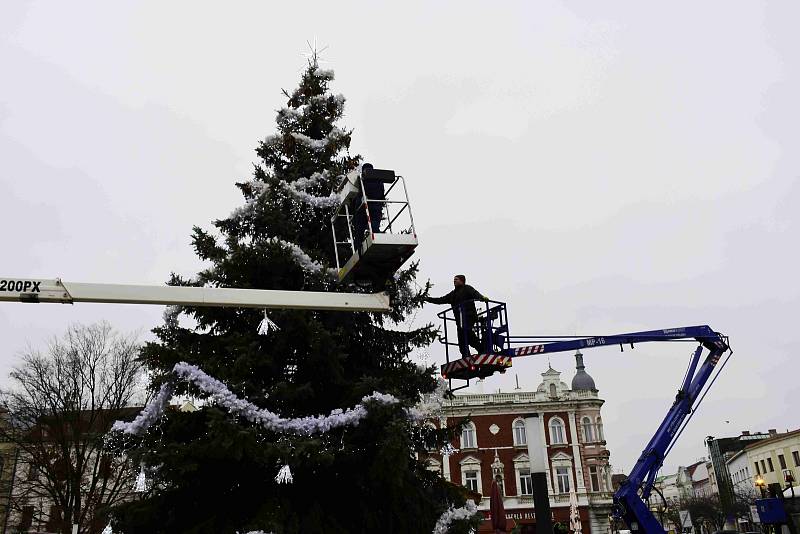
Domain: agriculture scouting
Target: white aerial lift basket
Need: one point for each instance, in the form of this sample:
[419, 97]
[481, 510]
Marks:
[373, 227]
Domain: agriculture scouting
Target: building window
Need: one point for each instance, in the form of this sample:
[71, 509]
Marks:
[599, 429]
[557, 431]
[594, 478]
[562, 477]
[471, 480]
[433, 465]
[758, 471]
[471, 473]
[519, 432]
[782, 461]
[468, 437]
[27, 518]
[553, 391]
[588, 431]
[525, 482]
[33, 473]
[796, 456]
[769, 463]
[763, 467]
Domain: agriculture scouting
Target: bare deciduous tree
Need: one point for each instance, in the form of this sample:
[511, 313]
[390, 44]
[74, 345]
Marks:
[60, 404]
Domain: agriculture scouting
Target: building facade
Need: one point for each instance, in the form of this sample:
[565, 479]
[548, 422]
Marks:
[494, 446]
[775, 459]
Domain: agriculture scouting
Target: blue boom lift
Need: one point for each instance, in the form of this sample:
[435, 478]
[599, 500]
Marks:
[630, 499]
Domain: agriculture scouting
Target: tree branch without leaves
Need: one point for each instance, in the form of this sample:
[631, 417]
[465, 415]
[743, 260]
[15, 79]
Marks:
[57, 411]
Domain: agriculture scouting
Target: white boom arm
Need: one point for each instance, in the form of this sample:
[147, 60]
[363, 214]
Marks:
[55, 290]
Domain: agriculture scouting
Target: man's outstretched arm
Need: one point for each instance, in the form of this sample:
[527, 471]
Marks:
[446, 299]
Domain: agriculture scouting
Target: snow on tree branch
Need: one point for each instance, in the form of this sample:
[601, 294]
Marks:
[454, 514]
[219, 394]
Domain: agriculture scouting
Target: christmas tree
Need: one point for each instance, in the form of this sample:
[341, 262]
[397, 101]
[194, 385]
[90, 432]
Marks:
[256, 455]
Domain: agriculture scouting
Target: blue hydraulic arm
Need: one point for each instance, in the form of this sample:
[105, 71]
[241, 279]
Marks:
[630, 499]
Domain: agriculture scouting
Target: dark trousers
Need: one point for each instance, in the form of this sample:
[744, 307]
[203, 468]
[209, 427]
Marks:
[360, 224]
[467, 337]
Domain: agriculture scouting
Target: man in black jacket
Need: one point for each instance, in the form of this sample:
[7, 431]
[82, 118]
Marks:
[462, 299]
[375, 194]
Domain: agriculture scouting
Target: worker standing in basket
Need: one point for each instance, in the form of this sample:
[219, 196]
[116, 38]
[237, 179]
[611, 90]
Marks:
[462, 300]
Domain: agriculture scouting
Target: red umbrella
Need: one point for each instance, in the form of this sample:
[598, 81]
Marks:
[496, 509]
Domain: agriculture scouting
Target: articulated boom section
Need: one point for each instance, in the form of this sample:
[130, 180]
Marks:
[629, 500]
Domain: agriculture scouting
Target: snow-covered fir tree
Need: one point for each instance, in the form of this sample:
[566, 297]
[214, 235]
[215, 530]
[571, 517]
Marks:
[233, 466]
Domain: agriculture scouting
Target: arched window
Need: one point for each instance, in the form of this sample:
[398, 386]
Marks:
[468, 440]
[557, 430]
[553, 391]
[588, 431]
[519, 433]
[600, 430]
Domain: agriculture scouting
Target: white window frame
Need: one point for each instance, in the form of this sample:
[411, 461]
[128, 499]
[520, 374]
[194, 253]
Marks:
[562, 430]
[587, 427]
[469, 428]
[522, 463]
[562, 474]
[526, 474]
[432, 464]
[562, 461]
[470, 477]
[519, 424]
[597, 478]
[470, 463]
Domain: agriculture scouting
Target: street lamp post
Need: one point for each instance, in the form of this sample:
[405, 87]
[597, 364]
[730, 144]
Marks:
[761, 485]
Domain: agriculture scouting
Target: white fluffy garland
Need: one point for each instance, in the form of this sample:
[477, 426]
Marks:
[442, 524]
[454, 514]
[300, 256]
[329, 201]
[258, 188]
[319, 144]
[151, 413]
[219, 394]
[430, 404]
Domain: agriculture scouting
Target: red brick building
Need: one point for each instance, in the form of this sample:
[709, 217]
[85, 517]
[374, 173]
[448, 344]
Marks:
[494, 444]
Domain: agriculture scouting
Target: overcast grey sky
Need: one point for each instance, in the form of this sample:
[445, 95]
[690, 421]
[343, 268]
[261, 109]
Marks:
[602, 167]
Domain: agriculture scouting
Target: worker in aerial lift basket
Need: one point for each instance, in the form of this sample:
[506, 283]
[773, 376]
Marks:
[375, 194]
[462, 300]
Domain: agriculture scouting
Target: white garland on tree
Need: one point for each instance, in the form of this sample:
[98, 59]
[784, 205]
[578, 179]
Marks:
[430, 404]
[259, 188]
[454, 514]
[151, 413]
[329, 201]
[326, 74]
[319, 144]
[219, 394]
[300, 256]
